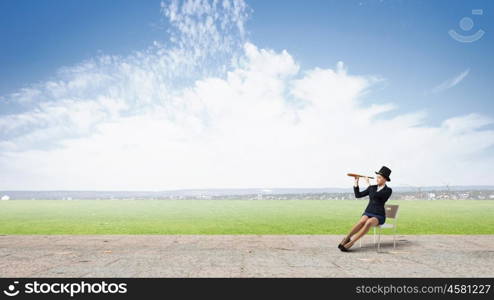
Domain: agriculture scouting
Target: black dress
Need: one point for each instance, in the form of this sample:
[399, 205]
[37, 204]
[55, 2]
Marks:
[376, 199]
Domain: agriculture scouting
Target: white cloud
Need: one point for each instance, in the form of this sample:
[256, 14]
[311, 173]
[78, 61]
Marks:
[125, 123]
[451, 82]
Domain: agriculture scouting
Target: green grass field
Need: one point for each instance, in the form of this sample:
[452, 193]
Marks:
[235, 216]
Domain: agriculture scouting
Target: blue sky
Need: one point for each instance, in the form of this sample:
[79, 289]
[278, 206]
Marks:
[403, 43]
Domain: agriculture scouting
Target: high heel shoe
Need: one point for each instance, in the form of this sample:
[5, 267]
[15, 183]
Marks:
[344, 242]
[344, 249]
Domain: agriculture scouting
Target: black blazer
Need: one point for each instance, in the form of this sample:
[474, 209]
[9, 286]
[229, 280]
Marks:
[376, 199]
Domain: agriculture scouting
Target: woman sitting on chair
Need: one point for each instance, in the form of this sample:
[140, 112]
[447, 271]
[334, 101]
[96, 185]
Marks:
[374, 214]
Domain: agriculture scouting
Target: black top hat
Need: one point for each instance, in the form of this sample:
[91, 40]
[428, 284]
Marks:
[385, 172]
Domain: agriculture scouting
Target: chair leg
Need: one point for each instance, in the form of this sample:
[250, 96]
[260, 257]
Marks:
[360, 242]
[374, 235]
[394, 238]
[379, 241]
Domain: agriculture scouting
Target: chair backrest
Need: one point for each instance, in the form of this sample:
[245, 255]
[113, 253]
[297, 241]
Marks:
[391, 210]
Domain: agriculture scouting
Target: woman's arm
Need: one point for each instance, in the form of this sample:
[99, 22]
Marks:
[387, 195]
[357, 191]
[360, 194]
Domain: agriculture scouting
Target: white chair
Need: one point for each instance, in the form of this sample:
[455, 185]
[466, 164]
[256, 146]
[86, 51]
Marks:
[391, 213]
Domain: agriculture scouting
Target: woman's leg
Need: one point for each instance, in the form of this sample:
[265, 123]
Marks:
[355, 228]
[368, 224]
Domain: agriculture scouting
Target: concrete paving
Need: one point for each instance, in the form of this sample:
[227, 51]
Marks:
[243, 256]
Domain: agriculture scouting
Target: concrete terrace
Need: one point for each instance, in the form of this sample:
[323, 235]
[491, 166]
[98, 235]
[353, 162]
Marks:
[243, 256]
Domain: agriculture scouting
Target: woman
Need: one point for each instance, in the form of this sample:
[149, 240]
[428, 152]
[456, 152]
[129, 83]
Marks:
[374, 214]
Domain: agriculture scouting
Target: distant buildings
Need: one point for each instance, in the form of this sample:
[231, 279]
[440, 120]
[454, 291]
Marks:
[419, 194]
[411, 195]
